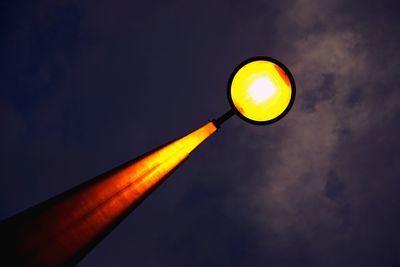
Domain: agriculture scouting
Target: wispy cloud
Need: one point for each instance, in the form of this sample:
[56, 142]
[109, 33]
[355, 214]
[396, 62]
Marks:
[311, 183]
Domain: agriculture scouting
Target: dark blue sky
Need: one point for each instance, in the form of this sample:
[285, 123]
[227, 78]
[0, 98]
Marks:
[87, 85]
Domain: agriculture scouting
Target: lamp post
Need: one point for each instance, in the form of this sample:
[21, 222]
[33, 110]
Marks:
[62, 230]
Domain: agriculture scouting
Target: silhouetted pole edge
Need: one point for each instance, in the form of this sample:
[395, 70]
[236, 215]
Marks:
[226, 116]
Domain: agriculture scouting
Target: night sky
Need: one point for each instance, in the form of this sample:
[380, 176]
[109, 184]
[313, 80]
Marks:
[87, 85]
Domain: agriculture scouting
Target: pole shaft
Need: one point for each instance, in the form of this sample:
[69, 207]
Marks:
[63, 229]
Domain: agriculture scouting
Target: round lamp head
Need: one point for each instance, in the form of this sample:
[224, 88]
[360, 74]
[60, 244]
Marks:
[261, 90]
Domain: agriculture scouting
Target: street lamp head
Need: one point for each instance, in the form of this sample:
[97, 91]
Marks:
[261, 90]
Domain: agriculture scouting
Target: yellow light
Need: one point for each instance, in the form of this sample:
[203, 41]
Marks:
[261, 91]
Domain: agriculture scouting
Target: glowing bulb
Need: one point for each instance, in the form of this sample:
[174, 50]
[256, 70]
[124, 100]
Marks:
[261, 89]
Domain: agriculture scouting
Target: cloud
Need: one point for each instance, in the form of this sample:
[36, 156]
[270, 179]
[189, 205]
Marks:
[319, 188]
[311, 184]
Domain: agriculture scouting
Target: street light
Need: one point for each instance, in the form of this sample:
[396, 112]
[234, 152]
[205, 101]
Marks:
[261, 90]
[62, 230]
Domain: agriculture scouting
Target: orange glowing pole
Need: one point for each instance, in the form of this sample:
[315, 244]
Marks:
[62, 230]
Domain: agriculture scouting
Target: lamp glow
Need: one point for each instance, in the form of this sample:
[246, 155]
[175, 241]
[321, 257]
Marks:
[261, 90]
